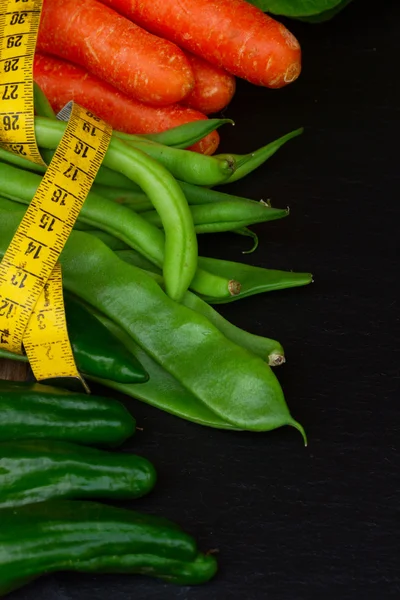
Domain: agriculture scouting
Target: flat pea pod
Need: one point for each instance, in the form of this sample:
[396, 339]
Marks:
[254, 280]
[57, 535]
[181, 136]
[180, 261]
[39, 470]
[255, 159]
[188, 166]
[35, 411]
[225, 216]
[120, 222]
[220, 373]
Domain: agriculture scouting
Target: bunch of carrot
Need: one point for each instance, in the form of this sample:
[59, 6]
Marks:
[148, 66]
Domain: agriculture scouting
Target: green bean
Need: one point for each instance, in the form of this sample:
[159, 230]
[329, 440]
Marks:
[182, 136]
[254, 280]
[136, 200]
[225, 216]
[191, 167]
[18, 161]
[168, 199]
[107, 239]
[232, 382]
[257, 158]
[119, 221]
[246, 232]
[42, 105]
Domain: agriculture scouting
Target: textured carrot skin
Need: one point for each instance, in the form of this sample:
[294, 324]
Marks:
[231, 34]
[62, 81]
[213, 89]
[142, 65]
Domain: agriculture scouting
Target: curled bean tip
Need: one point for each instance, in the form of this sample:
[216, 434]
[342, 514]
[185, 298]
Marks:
[275, 359]
[266, 202]
[234, 287]
[300, 428]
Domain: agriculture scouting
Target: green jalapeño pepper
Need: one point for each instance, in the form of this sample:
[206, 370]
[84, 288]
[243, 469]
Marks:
[38, 411]
[67, 535]
[97, 352]
[37, 470]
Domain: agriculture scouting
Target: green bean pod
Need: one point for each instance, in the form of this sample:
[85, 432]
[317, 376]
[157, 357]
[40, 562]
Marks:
[39, 470]
[120, 222]
[254, 280]
[180, 259]
[181, 136]
[235, 384]
[67, 535]
[43, 107]
[225, 216]
[188, 166]
[253, 160]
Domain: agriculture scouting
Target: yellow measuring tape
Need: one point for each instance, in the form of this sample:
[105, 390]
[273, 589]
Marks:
[19, 25]
[31, 301]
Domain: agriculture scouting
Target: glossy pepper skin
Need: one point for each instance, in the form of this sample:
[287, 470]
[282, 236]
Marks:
[71, 535]
[38, 470]
[97, 352]
[38, 411]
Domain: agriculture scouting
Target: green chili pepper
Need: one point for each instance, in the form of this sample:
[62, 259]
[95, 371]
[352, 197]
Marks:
[258, 157]
[96, 351]
[180, 259]
[34, 471]
[181, 136]
[38, 411]
[71, 535]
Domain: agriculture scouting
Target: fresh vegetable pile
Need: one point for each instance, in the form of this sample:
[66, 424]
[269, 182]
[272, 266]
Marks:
[138, 297]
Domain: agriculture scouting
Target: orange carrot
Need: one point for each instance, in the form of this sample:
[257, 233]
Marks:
[213, 87]
[62, 81]
[108, 45]
[231, 34]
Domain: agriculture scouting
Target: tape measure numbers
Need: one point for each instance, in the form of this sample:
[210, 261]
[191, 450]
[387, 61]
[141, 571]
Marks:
[19, 25]
[29, 263]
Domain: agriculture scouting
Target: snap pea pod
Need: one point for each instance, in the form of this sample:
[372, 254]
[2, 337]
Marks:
[180, 260]
[225, 216]
[67, 534]
[181, 136]
[120, 222]
[36, 411]
[258, 157]
[39, 470]
[254, 280]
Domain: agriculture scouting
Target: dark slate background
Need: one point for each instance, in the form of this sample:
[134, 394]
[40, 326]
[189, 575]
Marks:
[292, 523]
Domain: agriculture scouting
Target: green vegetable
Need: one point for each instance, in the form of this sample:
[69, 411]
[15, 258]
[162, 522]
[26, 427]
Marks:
[296, 8]
[97, 352]
[180, 259]
[76, 536]
[38, 411]
[38, 470]
[327, 14]
[235, 384]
